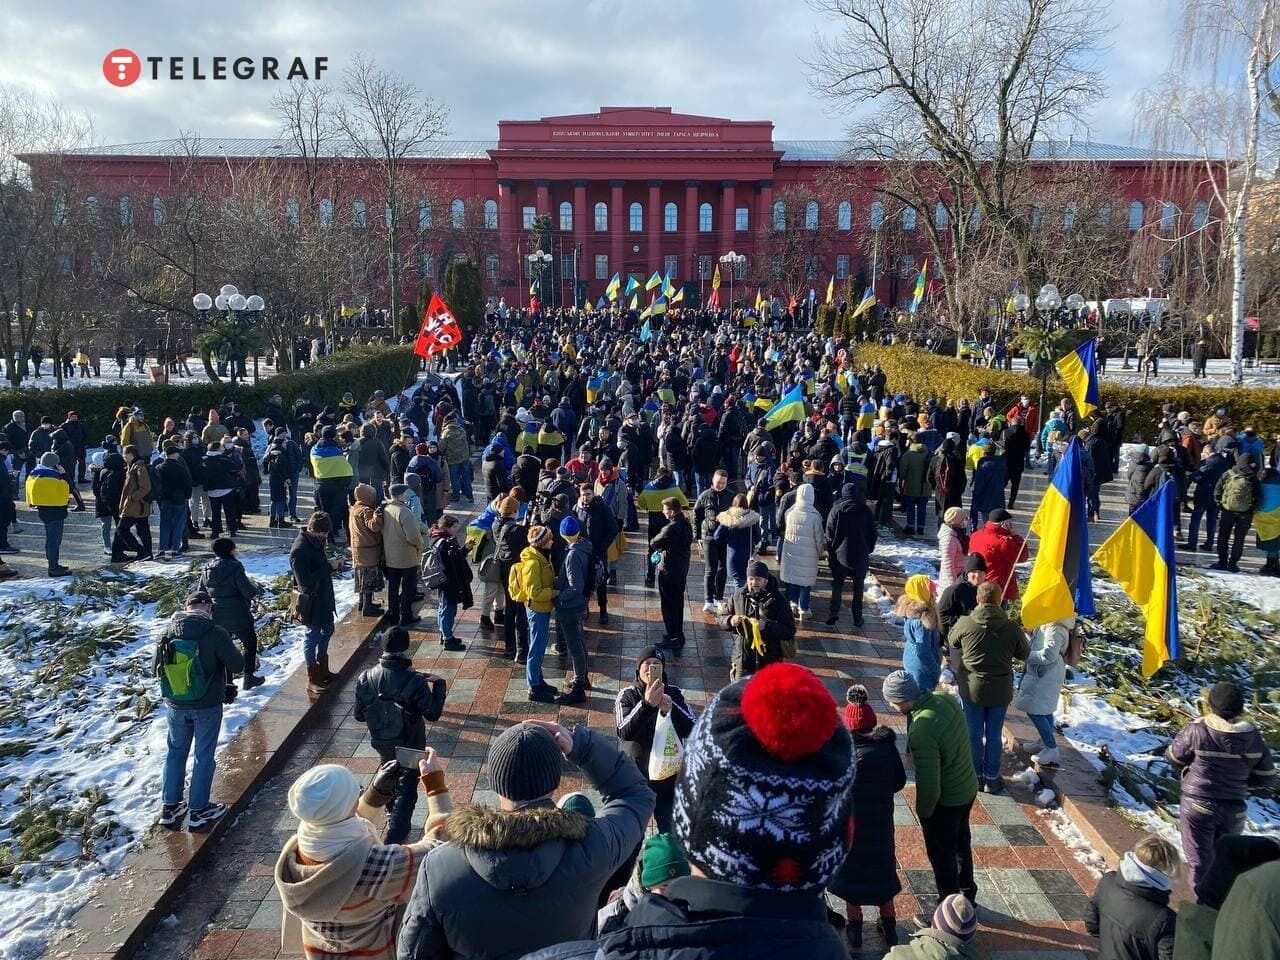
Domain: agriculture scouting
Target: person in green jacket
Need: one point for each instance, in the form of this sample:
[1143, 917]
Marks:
[946, 784]
[913, 484]
[948, 937]
[984, 645]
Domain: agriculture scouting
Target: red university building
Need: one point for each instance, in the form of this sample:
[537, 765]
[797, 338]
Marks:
[628, 190]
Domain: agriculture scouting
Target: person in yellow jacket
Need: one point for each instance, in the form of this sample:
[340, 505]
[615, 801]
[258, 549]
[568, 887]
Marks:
[47, 492]
[533, 583]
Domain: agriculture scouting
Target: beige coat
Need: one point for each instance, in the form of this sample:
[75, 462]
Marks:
[364, 526]
[137, 484]
[401, 536]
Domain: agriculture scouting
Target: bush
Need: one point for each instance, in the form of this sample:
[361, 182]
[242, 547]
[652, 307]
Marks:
[360, 369]
[922, 374]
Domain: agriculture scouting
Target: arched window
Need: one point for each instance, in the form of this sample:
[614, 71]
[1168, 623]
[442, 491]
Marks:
[91, 209]
[704, 218]
[424, 214]
[909, 219]
[491, 214]
[844, 215]
[157, 211]
[1135, 215]
[779, 215]
[1200, 214]
[941, 216]
[1069, 213]
[457, 213]
[877, 215]
[635, 218]
[566, 215]
[1168, 215]
[126, 212]
[357, 213]
[670, 218]
[326, 212]
[602, 216]
[811, 215]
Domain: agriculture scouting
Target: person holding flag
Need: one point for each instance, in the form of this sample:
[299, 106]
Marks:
[439, 331]
[713, 301]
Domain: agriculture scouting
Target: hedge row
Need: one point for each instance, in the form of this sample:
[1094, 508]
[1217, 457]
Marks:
[359, 369]
[922, 374]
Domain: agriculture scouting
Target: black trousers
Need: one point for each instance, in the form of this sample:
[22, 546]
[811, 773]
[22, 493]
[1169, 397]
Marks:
[1015, 482]
[857, 579]
[671, 599]
[224, 512]
[248, 637]
[126, 541]
[402, 585]
[1233, 527]
[950, 852]
[715, 555]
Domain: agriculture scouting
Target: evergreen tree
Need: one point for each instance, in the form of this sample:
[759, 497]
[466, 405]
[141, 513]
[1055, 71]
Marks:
[462, 292]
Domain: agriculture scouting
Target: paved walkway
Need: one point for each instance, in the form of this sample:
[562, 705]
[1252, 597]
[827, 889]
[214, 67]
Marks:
[1032, 893]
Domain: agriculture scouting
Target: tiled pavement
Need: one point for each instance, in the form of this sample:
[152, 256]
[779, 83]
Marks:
[1032, 893]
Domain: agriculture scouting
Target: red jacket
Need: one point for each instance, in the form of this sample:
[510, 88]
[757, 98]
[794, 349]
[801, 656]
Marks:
[1030, 418]
[1002, 549]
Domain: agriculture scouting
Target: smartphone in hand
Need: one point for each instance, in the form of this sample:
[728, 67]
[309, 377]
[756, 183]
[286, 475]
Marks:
[408, 757]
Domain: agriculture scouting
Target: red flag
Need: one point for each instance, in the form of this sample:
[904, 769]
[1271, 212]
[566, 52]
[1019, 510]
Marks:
[713, 301]
[440, 330]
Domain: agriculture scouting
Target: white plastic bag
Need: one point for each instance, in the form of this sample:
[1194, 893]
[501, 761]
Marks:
[667, 751]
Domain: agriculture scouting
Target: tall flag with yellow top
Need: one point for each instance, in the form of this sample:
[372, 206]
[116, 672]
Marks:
[632, 286]
[831, 289]
[653, 281]
[668, 289]
[713, 301]
[1140, 555]
[759, 299]
[1061, 580]
[918, 296]
[1079, 371]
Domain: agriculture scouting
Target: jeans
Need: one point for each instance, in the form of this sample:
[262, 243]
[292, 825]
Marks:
[714, 575]
[53, 540]
[701, 481]
[277, 509]
[570, 624]
[948, 845]
[403, 802]
[917, 511]
[460, 481]
[768, 528]
[799, 596]
[185, 725]
[539, 633]
[402, 584]
[1043, 722]
[173, 523]
[446, 614]
[985, 725]
[1210, 513]
[316, 643]
[108, 532]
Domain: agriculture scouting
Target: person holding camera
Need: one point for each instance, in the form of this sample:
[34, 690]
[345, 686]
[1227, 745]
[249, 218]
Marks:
[195, 663]
[396, 701]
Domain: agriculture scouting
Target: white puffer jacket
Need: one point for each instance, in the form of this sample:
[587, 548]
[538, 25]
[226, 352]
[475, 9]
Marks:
[804, 542]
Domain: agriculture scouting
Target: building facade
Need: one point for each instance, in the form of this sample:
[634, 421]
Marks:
[633, 190]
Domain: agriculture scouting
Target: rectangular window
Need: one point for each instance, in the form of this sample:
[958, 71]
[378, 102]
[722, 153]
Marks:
[357, 213]
[602, 266]
[704, 268]
[741, 219]
[526, 216]
[842, 267]
[427, 265]
[670, 265]
[740, 269]
[491, 266]
[566, 265]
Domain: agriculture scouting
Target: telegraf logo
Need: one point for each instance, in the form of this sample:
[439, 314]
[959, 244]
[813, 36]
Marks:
[122, 67]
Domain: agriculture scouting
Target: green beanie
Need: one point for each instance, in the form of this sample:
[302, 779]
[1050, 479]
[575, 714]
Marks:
[661, 860]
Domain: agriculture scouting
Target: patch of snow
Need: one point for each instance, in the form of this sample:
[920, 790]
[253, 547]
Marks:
[1065, 830]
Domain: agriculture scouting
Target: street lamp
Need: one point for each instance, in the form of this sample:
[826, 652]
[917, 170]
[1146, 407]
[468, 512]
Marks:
[732, 260]
[540, 260]
[242, 310]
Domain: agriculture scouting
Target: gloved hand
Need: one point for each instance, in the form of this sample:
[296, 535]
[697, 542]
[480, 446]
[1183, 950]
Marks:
[387, 777]
[229, 693]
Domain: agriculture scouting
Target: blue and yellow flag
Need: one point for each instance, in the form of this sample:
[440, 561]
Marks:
[866, 303]
[831, 289]
[679, 296]
[1079, 371]
[1140, 556]
[534, 286]
[790, 407]
[918, 296]
[635, 302]
[1266, 519]
[632, 285]
[668, 289]
[600, 304]
[654, 281]
[645, 332]
[611, 291]
[759, 299]
[1061, 582]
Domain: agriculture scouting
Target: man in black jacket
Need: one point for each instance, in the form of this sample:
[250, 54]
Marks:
[396, 701]
[172, 493]
[851, 539]
[711, 502]
[600, 527]
[673, 544]
[961, 598]
[315, 605]
[761, 621]
[79, 438]
[222, 485]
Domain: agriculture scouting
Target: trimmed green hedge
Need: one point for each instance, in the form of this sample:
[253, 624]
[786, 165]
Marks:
[922, 374]
[360, 369]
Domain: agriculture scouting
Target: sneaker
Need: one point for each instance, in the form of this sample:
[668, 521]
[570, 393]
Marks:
[540, 695]
[162, 555]
[485, 622]
[172, 814]
[674, 644]
[709, 607]
[200, 820]
[995, 786]
[59, 571]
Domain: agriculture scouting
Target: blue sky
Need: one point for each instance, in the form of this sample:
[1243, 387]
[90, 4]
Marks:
[484, 60]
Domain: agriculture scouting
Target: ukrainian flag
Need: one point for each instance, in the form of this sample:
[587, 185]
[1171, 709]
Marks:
[632, 285]
[668, 289]
[790, 407]
[645, 332]
[679, 297]
[654, 281]
[1061, 581]
[1140, 556]
[918, 296]
[611, 291]
[535, 286]
[635, 302]
[1079, 371]
[1266, 519]
[658, 306]
[831, 288]
[600, 304]
[759, 299]
[866, 303]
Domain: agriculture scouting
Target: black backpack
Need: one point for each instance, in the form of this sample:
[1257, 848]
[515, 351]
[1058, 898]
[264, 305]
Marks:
[386, 720]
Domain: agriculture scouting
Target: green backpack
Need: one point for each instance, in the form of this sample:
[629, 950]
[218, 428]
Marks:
[180, 670]
[1237, 493]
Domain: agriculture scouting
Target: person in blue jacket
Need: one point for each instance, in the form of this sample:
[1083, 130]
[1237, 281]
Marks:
[921, 640]
[1203, 503]
[989, 480]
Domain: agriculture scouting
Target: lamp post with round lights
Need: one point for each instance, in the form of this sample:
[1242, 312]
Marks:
[732, 261]
[539, 261]
[240, 313]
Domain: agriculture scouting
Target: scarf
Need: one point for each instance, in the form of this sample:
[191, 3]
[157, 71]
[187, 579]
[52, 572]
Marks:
[1135, 871]
[322, 842]
[324, 800]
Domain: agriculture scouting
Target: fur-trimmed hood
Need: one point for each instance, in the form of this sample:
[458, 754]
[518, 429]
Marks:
[737, 517]
[518, 849]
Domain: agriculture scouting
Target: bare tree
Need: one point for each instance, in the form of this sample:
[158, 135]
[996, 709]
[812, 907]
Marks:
[308, 132]
[386, 121]
[1218, 98]
[796, 250]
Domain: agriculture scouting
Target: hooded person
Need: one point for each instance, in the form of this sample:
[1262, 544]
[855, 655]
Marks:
[636, 711]
[850, 539]
[736, 527]
[537, 867]
[341, 889]
[364, 521]
[803, 546]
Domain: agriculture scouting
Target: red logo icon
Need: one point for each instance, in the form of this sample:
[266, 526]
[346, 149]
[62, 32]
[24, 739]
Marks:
[121, 67]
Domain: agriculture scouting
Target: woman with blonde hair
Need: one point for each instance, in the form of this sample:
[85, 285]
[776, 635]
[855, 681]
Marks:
[922, 642]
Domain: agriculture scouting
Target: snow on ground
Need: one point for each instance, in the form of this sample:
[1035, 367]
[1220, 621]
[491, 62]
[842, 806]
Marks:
[1177, 373]
[77, 719]
[111, 376]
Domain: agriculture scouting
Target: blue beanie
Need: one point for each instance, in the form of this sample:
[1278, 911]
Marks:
[569, 527]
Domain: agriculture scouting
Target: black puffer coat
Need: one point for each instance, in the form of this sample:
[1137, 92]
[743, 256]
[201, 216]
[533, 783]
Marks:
[869, 874]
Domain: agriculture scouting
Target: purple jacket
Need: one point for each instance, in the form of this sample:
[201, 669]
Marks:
[1221, 759]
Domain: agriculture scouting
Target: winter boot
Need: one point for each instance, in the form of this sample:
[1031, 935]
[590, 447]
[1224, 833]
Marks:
[486, 624]
[853, 936]
[315, 679]
[500, 616]
[576, 692]
[323, 663]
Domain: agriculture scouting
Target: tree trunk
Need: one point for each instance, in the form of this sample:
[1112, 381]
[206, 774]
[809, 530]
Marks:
[208, 368]
[393, 264]
[1240, 214]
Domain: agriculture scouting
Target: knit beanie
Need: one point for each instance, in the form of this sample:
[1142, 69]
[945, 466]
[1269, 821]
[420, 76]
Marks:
[758, 568]
[524, 763]
[395, 640]
[578, 802]
[763, 798]
[319, 522]
[509, 507]
[859, 717]
[540, 537]
[49, 460]
[900, 687]
[955, 915]
[661, 860]
[919, 588]
[1226, 700]
[324, 795]
[570, 529]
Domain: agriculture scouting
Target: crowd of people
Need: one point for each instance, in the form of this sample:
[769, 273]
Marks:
[587, 440]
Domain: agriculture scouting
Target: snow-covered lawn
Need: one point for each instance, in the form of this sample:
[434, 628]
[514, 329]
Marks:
[1177, 373]
[82, 737]
[111, 376]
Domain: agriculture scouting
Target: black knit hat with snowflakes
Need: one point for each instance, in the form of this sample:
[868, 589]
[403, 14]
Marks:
[763, 799]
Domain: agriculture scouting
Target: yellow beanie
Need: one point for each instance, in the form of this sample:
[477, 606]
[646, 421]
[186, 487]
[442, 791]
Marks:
[919, 588]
